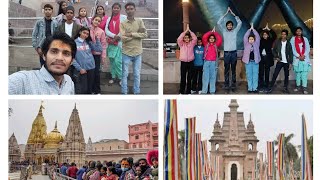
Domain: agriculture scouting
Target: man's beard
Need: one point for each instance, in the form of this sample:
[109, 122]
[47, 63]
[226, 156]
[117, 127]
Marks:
[54, 73]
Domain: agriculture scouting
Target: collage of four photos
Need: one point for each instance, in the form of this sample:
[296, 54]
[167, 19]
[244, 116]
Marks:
[227, 93]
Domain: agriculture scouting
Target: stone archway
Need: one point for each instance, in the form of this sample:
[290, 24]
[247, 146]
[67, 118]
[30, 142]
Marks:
[234, 171]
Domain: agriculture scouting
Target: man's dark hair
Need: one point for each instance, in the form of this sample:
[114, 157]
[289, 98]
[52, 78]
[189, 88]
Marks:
[61, 36]
[142, 159]
[73, 164]
[285, 31]
[99, 166]
[229, 22]
[48, 6]
[130, 4]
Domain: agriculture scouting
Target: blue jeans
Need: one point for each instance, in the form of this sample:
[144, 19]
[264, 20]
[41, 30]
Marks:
[209, 76]
[136, 64]
[252, 72]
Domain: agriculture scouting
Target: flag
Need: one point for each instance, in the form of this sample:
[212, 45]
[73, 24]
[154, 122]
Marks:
[190, 147]
[280, 162]
[171, 151]
[206, 168]
[199, 159]
[270, 154]
[306, 173]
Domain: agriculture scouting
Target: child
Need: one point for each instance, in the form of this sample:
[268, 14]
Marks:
[301, 60]
[82, 19]
[186, 58]
[84, 62]
[211, 41]
[197, 67]
[251, 58]
[99, 56]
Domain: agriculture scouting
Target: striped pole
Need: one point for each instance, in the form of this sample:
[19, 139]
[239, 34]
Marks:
[190, 147]
[171, 154]
[280, 162]
[306, 173]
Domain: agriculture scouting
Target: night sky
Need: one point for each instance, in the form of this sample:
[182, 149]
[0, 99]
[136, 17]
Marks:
[173, 15]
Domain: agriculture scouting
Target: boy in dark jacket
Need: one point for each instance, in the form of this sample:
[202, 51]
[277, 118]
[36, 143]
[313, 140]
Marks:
[197, 67]
[282, 52]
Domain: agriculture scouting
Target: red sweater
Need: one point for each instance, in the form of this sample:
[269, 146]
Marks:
[210, 51]
[72, 172]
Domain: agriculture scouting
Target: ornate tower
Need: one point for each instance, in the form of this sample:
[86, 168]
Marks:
[73, 147]
[14, 150]
[234, 144]
[37, 136]
[89, 145]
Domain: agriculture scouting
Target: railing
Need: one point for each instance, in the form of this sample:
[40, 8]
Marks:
[55, 175]
[37, 18]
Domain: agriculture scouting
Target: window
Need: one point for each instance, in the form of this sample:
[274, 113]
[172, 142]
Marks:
[148, 135]
[136, 128]
[250, 147]
[140, 145]
[217, 146]
[110, 147]
[102, 148]
[118, 147]
[134, 146]
[137, 137]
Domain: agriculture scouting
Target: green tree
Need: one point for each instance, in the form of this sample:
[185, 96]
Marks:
[290, 150]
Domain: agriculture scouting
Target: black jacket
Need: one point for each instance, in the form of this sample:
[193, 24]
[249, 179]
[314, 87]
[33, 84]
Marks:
[277, 51]
[267, 45]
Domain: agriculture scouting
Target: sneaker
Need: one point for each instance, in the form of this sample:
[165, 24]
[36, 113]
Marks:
[297, 89]
[261, 90]
[111, 81]
[255, 91]
[193, 92]
[305, 90]
[200, 92]
[285, 91]
[120, 82]
[269, 90]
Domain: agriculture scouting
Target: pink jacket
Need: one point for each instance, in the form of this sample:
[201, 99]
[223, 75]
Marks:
[186, 49]
[102, 38]
[211, 50]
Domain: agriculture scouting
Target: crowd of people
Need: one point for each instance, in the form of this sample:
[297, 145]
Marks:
[126, 169]
[199, 58]
[72, 49]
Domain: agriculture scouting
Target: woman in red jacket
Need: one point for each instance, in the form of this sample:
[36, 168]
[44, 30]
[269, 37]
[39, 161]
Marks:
[212, 40]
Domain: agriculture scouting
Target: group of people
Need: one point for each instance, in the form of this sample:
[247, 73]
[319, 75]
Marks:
[126, 169]
[76, 46]
[199, 58]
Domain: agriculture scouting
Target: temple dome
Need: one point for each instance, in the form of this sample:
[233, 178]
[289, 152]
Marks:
[54, 138]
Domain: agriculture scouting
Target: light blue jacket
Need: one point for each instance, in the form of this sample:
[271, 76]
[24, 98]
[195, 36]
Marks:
[39, 31]
[296, 55]
[84, 58]
[109, 33]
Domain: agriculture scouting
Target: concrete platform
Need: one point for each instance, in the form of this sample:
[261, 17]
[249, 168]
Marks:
[173, 88]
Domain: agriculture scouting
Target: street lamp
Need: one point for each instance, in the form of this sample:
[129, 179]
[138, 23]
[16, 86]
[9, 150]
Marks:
[185, 13]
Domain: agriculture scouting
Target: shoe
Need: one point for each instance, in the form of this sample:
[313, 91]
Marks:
[285, 91]
[255, 92]
[297, 89]
[111, 81]
[249, 92]
[193, 92]
[261, 90]
[305, 90]
[269, 90]
[199, 92]
[120, 82]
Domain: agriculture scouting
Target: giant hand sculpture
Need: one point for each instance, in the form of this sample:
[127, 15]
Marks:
[214, 9]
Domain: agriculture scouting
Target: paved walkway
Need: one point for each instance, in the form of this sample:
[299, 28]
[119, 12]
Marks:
[16, 176]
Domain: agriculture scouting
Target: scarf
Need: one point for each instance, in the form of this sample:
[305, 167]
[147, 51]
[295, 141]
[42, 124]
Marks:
[297, 41]
[114, 27]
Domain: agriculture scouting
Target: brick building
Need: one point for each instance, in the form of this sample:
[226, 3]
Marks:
[143, 135]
